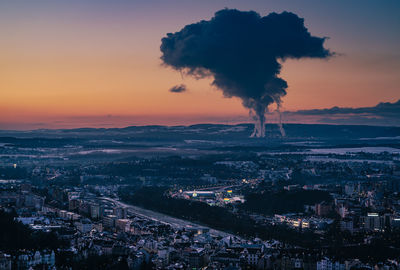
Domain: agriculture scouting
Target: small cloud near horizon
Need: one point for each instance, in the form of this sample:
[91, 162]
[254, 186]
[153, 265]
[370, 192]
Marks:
[178, 88]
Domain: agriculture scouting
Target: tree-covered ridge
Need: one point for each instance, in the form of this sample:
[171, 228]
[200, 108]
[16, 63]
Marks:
[16, 236]
[283, 201]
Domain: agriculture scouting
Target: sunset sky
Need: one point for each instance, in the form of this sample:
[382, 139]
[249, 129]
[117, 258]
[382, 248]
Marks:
[81, 63]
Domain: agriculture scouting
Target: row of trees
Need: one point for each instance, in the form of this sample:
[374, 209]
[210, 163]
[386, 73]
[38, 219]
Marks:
[270, 203]
[15, 236]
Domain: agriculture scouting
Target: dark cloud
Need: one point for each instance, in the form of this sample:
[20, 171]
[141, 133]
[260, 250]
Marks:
[382, 109]
[178, 88]
[385, 113]
[242, 52]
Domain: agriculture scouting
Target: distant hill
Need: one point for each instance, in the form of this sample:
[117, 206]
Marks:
[208, 132]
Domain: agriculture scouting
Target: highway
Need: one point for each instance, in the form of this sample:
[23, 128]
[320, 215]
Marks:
[162, 218]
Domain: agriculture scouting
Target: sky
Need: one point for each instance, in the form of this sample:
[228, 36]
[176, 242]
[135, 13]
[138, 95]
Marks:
[96, 63]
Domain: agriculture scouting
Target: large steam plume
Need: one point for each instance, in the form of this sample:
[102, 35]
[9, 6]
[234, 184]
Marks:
[241, 50]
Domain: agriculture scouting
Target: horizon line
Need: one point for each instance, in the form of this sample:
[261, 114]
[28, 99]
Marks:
[189, 125]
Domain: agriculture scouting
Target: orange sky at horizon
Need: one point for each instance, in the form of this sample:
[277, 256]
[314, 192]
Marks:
[90, 87]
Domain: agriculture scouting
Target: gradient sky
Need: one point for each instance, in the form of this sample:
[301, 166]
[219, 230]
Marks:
[96, 63]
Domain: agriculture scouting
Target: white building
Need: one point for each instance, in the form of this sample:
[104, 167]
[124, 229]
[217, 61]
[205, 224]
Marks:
[327, 264]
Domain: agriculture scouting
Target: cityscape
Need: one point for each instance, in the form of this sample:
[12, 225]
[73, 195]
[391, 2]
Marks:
[233, 203]
[200, 135]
